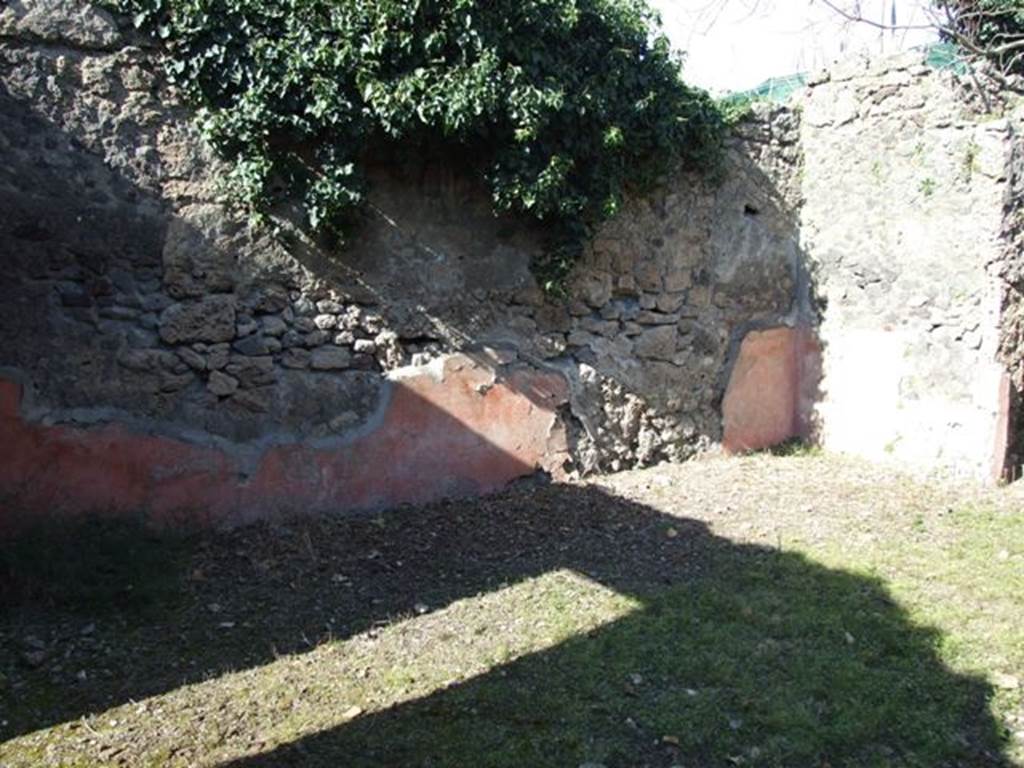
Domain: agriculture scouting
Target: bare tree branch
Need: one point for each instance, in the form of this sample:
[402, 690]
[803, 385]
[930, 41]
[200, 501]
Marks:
[861, 19]
[957, 21]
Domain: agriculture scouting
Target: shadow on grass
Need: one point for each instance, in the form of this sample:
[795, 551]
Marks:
[738, 654]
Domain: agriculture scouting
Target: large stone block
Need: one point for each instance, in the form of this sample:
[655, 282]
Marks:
[211, 319]
[59, 21]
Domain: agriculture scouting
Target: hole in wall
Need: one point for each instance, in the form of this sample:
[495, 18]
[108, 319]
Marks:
[750, 210]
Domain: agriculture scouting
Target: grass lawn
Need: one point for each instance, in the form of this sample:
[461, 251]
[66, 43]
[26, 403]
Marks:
[767, 611]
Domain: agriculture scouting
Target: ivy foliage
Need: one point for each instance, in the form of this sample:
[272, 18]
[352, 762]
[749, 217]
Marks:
[568, 105]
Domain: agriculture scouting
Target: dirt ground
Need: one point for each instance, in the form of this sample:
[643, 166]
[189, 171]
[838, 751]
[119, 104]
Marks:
[767, 610]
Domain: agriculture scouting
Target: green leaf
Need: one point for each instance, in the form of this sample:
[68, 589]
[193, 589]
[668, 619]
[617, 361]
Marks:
[568, 105]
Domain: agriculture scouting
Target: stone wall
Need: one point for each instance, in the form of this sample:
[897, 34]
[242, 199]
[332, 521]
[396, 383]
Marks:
[160, 356]
[910, 262]
[141, 319]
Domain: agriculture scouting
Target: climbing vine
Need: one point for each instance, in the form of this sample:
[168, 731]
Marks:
[567, 104]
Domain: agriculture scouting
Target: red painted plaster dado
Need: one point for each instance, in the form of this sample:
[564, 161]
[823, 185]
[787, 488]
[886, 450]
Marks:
[447, 430]
[772, 389]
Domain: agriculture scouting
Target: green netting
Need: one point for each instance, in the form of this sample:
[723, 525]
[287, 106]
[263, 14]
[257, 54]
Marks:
[946, 56]
[772, 89]
[937, 56]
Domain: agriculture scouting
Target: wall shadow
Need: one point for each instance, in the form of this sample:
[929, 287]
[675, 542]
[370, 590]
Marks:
[729, 260]
[740, 655]
[737, 653]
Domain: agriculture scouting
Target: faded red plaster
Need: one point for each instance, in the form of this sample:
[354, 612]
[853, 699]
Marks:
[1001, 449]
[453, 431]
[771, 390]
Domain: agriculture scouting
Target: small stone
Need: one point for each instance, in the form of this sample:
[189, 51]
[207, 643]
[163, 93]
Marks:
[648, 276]
[316, 338]
[364, 362]
[156, 302]
[218, 356]
[595, 290]
[531, 296]
[330, 359]
[678, 280]
[578, 309]
[253, 400]
[325, 322]
[656, 318]
[272, 300]
[363, 346]
[352, 712]
[700, 296]
[581, 339]
[657, 343]
[553, 318]
[251, 371]
[551, 345]
[296, 358]
[372, 323]
[350, 318]
[246, 326]
[329, 307]
[257, 345]
[625, 285]
[192, 359]
[274, 326]
[221, 384]
[303, 306]
[141, 360]
[607, 328]
[670, 303]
